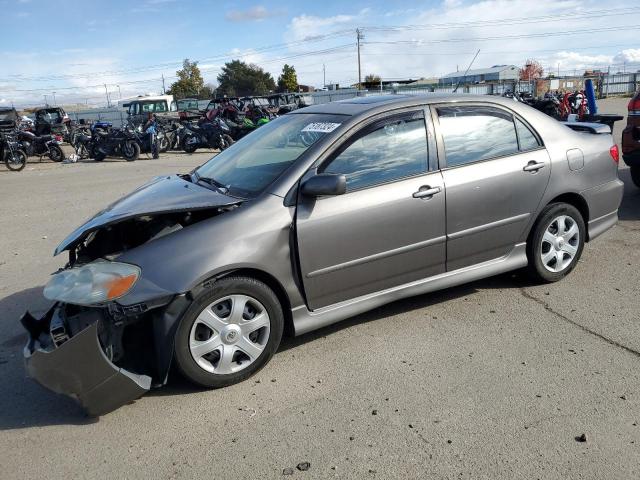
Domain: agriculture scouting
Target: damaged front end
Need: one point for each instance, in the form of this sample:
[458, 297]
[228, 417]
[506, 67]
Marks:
[109, 337]
[66, 355]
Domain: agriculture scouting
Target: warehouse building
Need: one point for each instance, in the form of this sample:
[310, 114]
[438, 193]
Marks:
[497, 73]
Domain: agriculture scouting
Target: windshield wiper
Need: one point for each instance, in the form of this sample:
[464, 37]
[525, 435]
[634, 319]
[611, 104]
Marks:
[221, 187]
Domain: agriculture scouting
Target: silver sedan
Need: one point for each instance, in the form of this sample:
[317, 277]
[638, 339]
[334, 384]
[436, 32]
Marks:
[319, 215]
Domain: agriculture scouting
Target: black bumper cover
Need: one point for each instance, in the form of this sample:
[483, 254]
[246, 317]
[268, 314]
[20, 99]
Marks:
[79, 368]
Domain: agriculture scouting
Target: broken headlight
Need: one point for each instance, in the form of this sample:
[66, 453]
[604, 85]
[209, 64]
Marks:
[96, 282]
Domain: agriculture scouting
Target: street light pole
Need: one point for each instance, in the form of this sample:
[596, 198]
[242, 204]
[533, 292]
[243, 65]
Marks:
[54, 98]
[359, 37]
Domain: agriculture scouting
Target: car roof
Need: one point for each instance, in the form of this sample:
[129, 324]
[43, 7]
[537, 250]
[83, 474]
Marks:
[376, 103]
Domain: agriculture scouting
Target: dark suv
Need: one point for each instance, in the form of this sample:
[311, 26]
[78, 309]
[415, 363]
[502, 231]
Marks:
[631, 139]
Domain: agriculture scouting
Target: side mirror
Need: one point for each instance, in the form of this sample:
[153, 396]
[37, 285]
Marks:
[324, 184]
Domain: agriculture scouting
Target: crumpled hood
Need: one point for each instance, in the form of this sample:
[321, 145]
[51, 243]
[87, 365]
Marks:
[164, 194]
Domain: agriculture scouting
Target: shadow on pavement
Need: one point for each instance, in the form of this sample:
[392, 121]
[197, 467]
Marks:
[25, 404]
[630, 207]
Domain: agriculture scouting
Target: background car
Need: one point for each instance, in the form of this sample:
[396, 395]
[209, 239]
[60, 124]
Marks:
[631, 139]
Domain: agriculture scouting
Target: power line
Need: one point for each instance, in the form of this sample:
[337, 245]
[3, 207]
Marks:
[505, 37]
[512, 21]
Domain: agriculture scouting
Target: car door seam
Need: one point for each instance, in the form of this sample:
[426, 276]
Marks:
[377, 256]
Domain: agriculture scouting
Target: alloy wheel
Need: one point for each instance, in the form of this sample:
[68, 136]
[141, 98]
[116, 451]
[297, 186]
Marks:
[560, 243]
[229, 334]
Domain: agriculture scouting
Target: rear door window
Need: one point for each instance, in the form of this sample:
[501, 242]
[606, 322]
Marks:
[475, 133]
[528, 141]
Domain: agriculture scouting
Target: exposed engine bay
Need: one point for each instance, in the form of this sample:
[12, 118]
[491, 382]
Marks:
[111, 240]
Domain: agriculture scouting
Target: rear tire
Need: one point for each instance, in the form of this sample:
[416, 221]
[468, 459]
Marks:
[56, 154]
[210, 325]
[555, 243]
[635, 175]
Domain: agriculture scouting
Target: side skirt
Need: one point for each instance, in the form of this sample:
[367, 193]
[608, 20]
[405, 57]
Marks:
[305, 320]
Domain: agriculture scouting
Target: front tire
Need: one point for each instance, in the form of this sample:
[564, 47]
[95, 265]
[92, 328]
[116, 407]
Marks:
[229, 332]
[556, 242]
[130, 151]
[190, 143]
[635, 175]
[15, 160]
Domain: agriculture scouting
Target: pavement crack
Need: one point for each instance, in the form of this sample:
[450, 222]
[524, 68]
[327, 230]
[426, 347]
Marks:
[548, 308]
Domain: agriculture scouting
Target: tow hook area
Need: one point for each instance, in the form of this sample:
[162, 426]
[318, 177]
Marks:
[77, 366]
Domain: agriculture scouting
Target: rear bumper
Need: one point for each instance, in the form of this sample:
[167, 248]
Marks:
[603, 202]
[78, 367]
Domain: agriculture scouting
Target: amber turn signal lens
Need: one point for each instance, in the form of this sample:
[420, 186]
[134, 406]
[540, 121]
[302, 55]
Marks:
[117, 288]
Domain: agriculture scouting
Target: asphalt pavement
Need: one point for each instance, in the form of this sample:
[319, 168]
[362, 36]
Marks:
[498, 379]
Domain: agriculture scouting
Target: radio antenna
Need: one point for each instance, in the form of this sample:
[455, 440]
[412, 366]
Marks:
[466, 71]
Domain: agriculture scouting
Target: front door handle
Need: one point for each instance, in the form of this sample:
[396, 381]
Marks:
[426, 191]
[533, 166]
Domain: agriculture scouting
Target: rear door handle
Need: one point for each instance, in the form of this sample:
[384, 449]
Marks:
[426, 191]
[533, 166]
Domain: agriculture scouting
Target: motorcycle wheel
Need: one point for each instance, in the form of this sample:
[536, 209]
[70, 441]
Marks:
[163, 144]
[15, 160]
[227, 141]
[56, 154]
[130, 151]
[98, 156]
[190, 144]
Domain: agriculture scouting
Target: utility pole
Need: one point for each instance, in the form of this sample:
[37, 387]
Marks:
[359, 36]
[119, 93]
[324, 75]
[163, 90]
[106, 92]
[54, 98]
[45, 101]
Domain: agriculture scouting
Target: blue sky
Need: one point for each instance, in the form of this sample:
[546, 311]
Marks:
[75, 47]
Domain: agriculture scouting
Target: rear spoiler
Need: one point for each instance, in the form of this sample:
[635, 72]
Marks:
[588, 127]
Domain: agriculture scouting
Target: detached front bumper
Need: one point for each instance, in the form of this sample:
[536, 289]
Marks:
[77, 366]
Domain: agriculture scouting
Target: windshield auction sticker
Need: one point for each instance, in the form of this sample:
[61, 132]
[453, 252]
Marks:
[322, 127]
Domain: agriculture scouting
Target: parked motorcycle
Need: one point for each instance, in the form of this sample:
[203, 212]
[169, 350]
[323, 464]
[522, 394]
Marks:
[40, 145]
[10, 152]
[117, 142]
[82, 142]
[213, 134]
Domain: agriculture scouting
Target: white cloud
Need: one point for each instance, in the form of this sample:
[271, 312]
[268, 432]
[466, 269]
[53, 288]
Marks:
[253, 14]
[309, 26]
[628, 56]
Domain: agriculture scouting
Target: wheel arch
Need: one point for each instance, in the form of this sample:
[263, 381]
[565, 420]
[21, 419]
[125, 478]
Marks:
[576, 200]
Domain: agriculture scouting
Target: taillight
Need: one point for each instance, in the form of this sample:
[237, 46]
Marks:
[615, 153]
[634, 106]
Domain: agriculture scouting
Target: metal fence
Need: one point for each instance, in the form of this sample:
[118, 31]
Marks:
[114, 115]
[620, 84]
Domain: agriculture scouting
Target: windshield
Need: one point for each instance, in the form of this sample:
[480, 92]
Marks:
[158, 106]
[186, 104]
[253, 163]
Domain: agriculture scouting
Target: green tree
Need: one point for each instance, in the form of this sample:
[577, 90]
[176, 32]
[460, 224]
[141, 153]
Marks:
[190, 82]
[288, 80]
[238, 79]
[371, 81]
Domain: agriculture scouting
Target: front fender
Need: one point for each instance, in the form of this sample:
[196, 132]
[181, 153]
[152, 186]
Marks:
[256, 235]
